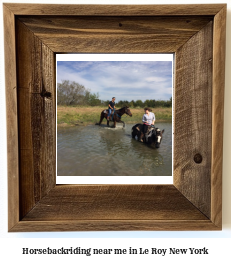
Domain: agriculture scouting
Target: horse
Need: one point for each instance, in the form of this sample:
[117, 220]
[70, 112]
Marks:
[115, 116]
[154, 135]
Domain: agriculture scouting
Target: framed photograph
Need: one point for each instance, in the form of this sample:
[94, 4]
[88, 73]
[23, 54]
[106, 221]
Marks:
[90, 146]
[34, 34]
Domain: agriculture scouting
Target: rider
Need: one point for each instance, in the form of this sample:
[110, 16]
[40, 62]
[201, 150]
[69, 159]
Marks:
[111, 106]
[148, 120]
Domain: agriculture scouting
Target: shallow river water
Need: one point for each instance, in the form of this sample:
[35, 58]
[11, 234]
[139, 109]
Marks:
[100, 151]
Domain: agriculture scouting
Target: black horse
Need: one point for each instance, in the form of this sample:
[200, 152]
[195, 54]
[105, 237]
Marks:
[154, 135]
[115, 116]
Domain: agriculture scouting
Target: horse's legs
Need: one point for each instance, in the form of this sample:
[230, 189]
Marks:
[122, 122]
[141, 137]
[101, 118]
[134, 133]
[107, 122]
[141, 132]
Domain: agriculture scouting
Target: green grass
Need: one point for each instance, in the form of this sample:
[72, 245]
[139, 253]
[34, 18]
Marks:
[81, 115]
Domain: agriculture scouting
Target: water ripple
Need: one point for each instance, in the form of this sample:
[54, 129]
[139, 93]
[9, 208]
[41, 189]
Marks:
[99, 151]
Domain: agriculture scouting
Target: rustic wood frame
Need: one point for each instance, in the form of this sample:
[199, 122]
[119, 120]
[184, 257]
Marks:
[33, 34]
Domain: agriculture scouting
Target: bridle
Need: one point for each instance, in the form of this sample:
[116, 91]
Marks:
[126, 111]
[158, 135]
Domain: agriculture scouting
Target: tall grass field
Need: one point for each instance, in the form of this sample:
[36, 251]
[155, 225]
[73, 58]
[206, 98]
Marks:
[85, 115]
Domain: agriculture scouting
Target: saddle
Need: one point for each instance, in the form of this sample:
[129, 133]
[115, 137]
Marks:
[151, 131]
[112, 114]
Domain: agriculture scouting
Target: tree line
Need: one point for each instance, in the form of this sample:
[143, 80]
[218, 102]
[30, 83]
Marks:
[72, 93]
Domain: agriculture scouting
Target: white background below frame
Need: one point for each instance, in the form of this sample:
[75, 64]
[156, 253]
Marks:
[114, 179]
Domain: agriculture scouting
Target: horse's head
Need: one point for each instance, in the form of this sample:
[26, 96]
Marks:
[127, 111]
[158, 137]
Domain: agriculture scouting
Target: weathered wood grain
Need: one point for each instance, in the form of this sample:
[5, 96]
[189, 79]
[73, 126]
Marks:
[115, 34]
[110, 44]
[115, 207]
[36, 117]
[218, 115]
[193, 113]
[29, 186]
[11, 115]
[115, 10]
[108, 202]
[48, 79]
[194, 201]
[101, 25]
[114, 225]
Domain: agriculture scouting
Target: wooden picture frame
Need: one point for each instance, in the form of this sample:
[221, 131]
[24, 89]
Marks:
[33, 34]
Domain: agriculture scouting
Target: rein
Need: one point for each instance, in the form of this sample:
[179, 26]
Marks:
[118, 114]
[126, 115]
[113, 114]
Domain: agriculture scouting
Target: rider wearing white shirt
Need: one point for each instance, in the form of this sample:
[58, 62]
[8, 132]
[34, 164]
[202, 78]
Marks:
[148, 119]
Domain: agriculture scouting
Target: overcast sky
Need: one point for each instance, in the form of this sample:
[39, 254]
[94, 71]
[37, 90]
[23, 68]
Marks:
[126, 80]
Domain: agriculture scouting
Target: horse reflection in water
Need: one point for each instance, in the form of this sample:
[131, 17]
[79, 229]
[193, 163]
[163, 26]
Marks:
[115, 116]
[154, 135]
[147, 160]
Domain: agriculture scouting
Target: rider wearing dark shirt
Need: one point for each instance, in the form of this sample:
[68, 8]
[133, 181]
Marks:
[111, 106]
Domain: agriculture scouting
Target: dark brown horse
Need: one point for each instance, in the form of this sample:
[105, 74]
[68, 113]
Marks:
[115, 116]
